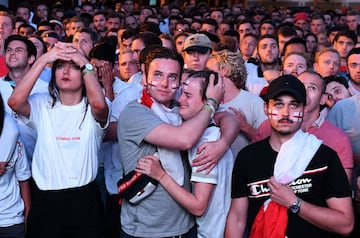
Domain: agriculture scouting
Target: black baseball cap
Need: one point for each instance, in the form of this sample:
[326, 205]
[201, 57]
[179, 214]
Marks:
[287, 84]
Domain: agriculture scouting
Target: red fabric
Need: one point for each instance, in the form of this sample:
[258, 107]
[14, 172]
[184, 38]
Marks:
[301, 16]
[271, 223]
[343, 69]
[146, 98]
[3, 68]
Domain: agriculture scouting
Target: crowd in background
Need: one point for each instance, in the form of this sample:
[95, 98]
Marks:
[109, 45]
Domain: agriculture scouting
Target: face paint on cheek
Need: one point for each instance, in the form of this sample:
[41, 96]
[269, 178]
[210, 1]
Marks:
[273, 114]
[174, 87]
[153, 84]
[297, 116]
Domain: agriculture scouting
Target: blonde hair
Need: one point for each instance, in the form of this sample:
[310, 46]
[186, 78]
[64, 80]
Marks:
[6, 14]
[323, 51]
[233, 65]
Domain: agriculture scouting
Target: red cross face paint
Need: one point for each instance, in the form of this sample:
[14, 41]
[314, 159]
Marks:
[297, 116]
[157, 84]
[174, 87]
[273, 114]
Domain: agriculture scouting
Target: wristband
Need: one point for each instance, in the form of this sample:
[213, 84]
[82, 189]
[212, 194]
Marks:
[86, 68]
[86, 72]
[209, 108]
[216, 104]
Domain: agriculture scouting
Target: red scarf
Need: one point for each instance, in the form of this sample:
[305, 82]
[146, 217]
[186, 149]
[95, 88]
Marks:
[146, 99]
[270, 223]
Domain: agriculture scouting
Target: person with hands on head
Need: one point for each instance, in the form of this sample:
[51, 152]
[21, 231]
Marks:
[70, 121]
[289, 183]
[248, 108]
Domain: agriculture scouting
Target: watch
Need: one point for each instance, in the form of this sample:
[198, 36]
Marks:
[86, 68]
[295, 207]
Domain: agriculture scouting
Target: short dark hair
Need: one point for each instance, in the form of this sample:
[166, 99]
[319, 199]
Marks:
[252, 35]
[334, 28]
[268, 21]
[152, 16]
[114, 15]
[266, 37]
[150, 27]
[30, 47]
[336, 78]
[353, 51]
[129, 33]
[286, 31]
[26, 25]
[46, 23]
[100, 13]
[318, 17]
[244, 21]
[148, 8]
[205, 74]
[148, 38]
[87, 4]
[348, 34]
[42, 43]
[209, 21]
[295, 40]
[227, 22]
[24, 5]
[94, 36]
[232, 33]
[104, 50]
[161, 52]
[352, 12]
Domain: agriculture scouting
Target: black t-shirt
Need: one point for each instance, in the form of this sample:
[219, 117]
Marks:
[323, 178]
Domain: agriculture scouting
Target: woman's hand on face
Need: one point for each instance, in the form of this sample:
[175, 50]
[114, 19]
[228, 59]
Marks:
[62, 51]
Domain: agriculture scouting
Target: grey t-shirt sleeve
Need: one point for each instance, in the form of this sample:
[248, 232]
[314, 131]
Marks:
[135, 123]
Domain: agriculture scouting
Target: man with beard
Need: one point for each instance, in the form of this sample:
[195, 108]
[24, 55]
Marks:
[300, 189]
[268, 55]
[99, 20]
[315, 122]
[352, 62]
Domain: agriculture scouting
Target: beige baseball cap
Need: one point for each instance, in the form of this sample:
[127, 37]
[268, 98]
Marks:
[197, 42]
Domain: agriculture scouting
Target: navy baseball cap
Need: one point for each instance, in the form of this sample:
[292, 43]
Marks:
[287, 84]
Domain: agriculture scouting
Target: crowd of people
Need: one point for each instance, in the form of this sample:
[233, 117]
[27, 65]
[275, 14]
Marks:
[119, 119]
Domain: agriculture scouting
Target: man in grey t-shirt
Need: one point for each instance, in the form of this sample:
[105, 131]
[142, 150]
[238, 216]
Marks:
[141, 132]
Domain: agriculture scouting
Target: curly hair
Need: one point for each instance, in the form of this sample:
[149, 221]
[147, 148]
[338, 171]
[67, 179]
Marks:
[233, 65]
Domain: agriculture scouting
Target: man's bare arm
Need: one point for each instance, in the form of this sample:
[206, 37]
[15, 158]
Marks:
[237, 216]
[209, 153]
[338, 217]
[183, 137]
